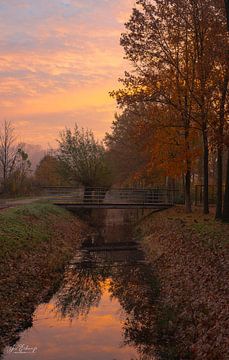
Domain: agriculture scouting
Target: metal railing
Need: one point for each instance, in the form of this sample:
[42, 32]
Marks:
[113, 196]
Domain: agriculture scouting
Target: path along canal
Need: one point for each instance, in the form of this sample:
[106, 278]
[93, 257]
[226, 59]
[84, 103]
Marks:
[103, 309]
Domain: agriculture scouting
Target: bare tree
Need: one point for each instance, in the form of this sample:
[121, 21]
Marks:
[8, 152]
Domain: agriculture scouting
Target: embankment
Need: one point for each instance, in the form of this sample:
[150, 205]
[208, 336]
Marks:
[36, 242]
[190, 257]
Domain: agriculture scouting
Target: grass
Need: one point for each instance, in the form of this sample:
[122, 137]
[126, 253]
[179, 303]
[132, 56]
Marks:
[16, 232]
[36, 242]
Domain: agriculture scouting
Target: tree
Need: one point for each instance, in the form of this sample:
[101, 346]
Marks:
[227, 12]
[8, 153]
[127, 148]
[84, 157]
[14, 161]
[225, 216]
[49, 172]
[172, 46]
[162, 54]
[211, 89]
[19, 181]
[221, 125]
[145, 151]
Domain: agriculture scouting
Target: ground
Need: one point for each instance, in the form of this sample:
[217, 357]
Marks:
[190, 255]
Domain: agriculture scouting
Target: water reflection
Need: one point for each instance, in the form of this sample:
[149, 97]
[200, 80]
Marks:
[114, 224]
[81, 290]
[104, 310]
[137, 297]
[132, 286]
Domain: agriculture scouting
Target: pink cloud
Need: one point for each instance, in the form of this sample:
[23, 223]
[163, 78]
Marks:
[60, 47]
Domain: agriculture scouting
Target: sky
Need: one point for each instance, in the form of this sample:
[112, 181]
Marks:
[58, 61]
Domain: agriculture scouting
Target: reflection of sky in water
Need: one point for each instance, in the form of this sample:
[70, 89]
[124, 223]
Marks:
[99, 337]
[82, 322]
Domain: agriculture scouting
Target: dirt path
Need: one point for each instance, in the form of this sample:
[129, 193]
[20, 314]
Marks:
[9, 203]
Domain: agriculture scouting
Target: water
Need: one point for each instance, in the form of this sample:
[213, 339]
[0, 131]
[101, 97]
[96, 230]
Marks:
[104, 307]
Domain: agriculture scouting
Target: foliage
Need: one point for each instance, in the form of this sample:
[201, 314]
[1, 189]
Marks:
[143, 148]
[49, 172]
[84, 157]
[19, 181]
[178, 53]
[126, 148]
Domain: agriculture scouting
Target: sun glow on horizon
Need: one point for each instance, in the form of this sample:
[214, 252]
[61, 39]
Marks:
[58, 63]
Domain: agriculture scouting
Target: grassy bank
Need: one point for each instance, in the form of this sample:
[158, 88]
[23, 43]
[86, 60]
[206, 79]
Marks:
[36, 241]
[190, 256]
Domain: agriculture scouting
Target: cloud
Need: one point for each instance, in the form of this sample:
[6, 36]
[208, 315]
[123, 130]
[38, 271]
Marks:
[44, 128]
[51, 50]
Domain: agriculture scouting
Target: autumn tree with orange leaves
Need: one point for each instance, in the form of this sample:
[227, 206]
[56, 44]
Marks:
[177, 50]
[136, 152]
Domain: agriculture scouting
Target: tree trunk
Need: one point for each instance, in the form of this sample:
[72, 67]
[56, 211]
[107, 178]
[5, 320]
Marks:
[227, 12]
[205, 141]
[225, 216]
[188, 204]
[219, 186]
[219, 201]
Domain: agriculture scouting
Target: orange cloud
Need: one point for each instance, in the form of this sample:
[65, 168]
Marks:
[60, 61]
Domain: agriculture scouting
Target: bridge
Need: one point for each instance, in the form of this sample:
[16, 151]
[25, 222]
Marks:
[114, 198]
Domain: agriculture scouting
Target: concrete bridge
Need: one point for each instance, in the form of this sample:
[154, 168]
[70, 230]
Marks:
[114, 198]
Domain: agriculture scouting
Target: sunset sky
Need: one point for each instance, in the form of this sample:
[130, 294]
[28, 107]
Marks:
[58, 61]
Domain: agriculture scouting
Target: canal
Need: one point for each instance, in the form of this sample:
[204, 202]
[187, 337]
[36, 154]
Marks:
[104, 308]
